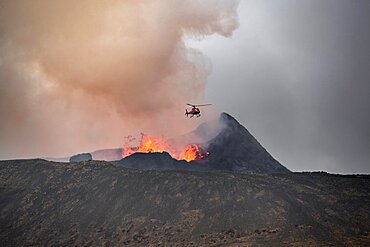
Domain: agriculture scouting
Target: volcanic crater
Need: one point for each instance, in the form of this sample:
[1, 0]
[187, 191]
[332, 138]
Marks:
[227, 147]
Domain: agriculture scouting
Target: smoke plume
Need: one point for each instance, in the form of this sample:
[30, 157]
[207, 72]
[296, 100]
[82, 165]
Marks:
[80, 75]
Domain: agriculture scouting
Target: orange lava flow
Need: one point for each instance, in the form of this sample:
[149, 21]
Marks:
[152, 144]
[190, 152]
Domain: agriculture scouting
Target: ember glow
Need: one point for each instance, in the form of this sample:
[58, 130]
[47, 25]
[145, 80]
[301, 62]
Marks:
[191, 152]
[152, 144]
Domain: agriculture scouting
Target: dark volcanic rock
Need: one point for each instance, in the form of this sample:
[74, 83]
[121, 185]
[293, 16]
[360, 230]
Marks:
[97, 204]
[235, 149]
[152, 161]
[81, 157]
[159, 161]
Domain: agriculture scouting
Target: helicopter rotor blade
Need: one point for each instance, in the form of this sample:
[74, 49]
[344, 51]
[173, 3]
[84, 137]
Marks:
[203, 105]
[198, 105]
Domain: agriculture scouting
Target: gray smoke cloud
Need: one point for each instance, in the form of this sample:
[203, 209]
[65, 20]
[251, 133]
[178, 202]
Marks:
[297, 75]
[80, 75]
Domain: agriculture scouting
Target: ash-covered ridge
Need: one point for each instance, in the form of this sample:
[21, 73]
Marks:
[233, 149]
[236, 149]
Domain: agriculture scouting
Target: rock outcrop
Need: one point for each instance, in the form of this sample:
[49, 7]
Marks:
[81, 157]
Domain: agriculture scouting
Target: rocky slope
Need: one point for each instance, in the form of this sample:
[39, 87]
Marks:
[236, 149]
[97, 204]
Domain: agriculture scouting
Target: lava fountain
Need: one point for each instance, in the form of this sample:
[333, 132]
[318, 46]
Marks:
[152, 144]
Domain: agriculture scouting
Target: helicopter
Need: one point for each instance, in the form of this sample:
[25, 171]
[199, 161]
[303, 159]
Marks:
[195, 111]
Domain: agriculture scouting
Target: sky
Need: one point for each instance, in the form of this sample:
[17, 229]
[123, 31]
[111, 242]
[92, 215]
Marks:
[80, 76]
[297, 75]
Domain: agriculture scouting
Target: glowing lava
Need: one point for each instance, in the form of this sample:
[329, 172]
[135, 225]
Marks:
[152, 144]
[190, 152]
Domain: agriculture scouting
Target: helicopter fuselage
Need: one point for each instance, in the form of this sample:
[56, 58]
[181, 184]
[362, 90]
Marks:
[193, 112]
